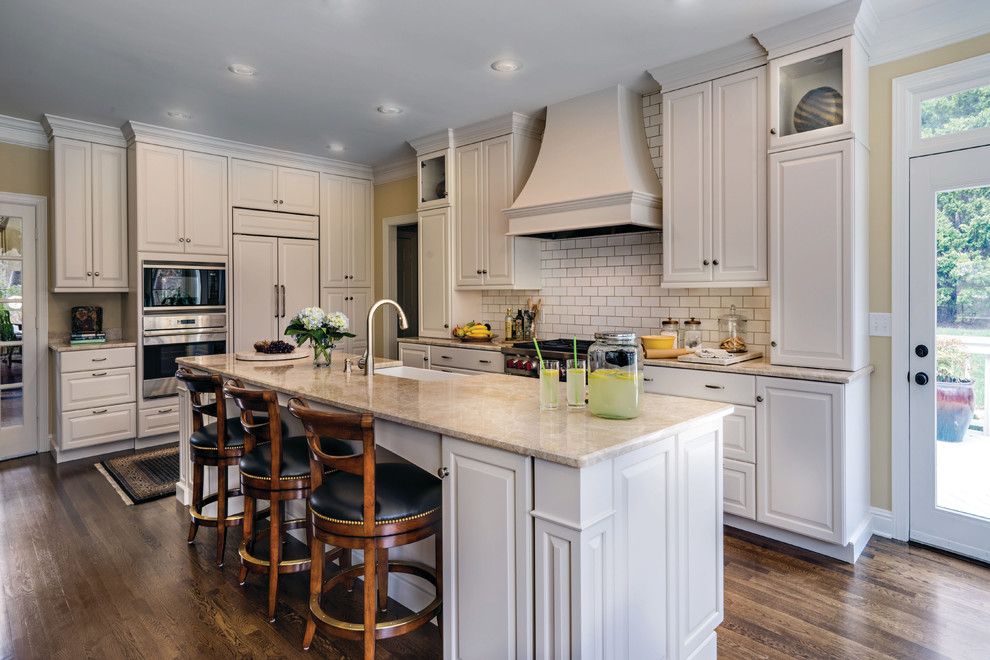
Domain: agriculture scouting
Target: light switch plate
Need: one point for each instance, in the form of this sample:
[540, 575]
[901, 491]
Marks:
[879, 324]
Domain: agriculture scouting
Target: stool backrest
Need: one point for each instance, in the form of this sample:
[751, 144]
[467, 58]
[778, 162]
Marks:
[341, 426]
[206, 398]
[268, 426]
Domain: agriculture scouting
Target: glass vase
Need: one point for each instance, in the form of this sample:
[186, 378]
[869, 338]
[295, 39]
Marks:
[322, 355]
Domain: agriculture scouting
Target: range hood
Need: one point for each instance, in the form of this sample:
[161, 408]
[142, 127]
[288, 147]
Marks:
[593, 175]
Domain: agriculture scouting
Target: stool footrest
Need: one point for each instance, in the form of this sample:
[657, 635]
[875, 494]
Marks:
[259, 565]
[211, 521]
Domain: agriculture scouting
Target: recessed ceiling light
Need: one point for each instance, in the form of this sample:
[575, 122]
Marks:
[506, 66]
[388, 109]
[178, 114]
[242, 70]
[335, 147]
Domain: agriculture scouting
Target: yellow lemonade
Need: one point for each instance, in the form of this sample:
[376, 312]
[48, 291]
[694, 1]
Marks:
[614, 394]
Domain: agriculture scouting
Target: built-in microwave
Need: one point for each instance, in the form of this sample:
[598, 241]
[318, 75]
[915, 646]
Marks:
[180, 287]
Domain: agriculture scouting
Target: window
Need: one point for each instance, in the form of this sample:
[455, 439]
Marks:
[962, 111]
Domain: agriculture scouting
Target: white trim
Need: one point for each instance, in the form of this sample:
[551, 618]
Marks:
[169, 137]
[848, 553]
[882, 522]
[389, 224]
[735, 58]
[76, 129]
[515, 123]
[937, 25]
[852, 17]
[438, 141]
[22, 132]
[906, 92]
[404, 168]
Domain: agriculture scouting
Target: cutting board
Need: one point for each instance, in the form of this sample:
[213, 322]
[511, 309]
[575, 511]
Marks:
[254, 356]
[734, 358]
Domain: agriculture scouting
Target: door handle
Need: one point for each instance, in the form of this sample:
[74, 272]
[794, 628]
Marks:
[921, 378]
[921, 350]
[276, 301]
[283, 301]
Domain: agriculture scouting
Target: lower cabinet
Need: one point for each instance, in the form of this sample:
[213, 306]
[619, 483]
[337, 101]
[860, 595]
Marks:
[487, 499]
[414, 355]
[97, 426]
[158, 418]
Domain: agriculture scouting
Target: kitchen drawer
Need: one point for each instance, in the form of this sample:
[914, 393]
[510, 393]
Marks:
[104, 358]
[95, 388]
[698, 384]
[739, 437]
[97, 426]
[739, 488]
[158, 421]
[467, 358]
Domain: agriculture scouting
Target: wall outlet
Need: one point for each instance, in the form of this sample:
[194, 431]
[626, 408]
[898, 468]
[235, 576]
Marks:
[879, 324]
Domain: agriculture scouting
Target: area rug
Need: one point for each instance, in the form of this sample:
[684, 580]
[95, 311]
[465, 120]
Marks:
[144, 476]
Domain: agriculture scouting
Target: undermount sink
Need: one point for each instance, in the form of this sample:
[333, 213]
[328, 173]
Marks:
[415, 373]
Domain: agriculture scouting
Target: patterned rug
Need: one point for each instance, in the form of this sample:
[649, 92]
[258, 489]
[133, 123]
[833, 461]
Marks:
[144, 476]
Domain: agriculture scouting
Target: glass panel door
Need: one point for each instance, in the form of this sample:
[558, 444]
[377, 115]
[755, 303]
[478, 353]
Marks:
[950, 344]
[17, 335]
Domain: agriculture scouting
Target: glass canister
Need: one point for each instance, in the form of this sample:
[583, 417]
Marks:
[732, 327]
[692, 333]
[671, 328]
[615, 378]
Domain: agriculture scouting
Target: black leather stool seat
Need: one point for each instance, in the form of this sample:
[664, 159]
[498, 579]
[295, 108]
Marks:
[295, 457]
[402, 491]
[206, 437]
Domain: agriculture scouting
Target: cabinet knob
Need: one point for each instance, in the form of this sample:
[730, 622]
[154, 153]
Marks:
[188, 240]
[445, 326]
[773, 344]
[274, 201]
[484, 271]
[759, 399]
[714, 262]
[181, 240]
[478, 271]
[921, 378]
[97, 273]
[773, 131]
[281, 201]
[705, 262]
[89, 274]
[442, 472]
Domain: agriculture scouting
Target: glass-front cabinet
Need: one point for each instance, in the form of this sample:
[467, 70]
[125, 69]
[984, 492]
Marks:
[817, 95]
[433, 179]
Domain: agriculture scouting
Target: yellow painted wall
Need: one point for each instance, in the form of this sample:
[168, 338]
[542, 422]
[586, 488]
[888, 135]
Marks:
[391, 199]
[881, 77]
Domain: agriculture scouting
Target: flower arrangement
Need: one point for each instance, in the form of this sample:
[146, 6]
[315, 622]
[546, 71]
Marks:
[321, 330]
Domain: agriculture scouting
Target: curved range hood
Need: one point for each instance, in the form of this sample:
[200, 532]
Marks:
[593, 175]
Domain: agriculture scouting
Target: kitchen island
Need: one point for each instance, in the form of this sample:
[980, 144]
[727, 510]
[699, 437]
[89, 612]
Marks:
[565, 535]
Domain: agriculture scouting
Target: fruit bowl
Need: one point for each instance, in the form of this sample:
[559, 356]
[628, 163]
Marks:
[477, 340]
[473, 332]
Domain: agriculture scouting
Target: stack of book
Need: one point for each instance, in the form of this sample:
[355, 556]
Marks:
[87, 338]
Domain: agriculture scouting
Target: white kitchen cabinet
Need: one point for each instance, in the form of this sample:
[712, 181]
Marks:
[432, 176]
[205, 212]
[440, 305]
[158, 417]
[414, 355]
[273, 278]
[346, 228]
[739, 488]
[818, 253]
[486, 182]
[270, 187]
[739, 437]
[715, 223]
[97, 388]
[471, 360]
[487, 499]
[89, 216]
[181, 201]
[354, 303]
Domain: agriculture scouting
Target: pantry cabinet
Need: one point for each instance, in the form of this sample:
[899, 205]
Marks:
[818, 253]
[347, 232]
[714, 212]
[270, 187]
[487, 179]
[439, 303]
[89, 213]
[180, 198]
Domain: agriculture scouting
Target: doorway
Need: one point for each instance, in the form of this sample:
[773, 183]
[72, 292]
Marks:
[400, 277]
[19, 364]
[949, 336]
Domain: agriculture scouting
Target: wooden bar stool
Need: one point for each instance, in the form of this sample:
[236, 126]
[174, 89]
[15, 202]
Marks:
[361, 505]
[218, 444]
[274, 467]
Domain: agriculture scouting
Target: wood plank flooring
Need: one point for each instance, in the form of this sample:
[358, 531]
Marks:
[81, 575]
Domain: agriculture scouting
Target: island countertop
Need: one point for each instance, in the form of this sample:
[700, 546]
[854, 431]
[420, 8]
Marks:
[489, 409]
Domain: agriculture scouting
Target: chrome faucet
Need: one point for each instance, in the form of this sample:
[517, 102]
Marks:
[367, 362]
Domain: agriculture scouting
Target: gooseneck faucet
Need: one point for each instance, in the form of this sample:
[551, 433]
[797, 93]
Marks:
[367, 362]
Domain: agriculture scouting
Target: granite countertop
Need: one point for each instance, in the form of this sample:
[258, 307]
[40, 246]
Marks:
[63, 345]
[762, 367]
[504, 410]
[476, 345]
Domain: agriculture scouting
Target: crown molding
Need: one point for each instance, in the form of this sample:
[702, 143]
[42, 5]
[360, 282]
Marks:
[169, 137]
[76, 129]
[929, 28]
[515, 123]
[740, 56]
[632, 197]
[443, 139]
[397, 170]
[852, 17]
[22, 132]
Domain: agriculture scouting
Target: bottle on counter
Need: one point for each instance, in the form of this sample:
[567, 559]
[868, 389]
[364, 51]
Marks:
[517, 325]
[509, 324]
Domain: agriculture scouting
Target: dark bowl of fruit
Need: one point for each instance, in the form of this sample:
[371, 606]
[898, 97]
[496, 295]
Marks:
[275, 347]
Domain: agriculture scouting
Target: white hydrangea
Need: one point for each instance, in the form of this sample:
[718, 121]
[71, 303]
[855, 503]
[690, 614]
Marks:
[337, 321]
[312, 318]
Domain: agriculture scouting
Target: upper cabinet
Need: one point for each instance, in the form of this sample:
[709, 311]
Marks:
[714, 184]
[274, 188]
[89, 200]
[346, 230]
[487, 177]
[180, 200]
[819, 95]
[432, 177]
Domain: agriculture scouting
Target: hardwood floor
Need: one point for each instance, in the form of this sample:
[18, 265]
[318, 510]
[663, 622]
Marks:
[81, 575]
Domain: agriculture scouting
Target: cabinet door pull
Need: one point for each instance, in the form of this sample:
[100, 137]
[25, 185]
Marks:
[100, 411]
[773, 131]
[485, 361]
[715, 387]
[442, 472]
[446, 357]
[478, 272]
[102, 359]
[97, 273]
[773, 344]
[101, 373]
[281, 201]
[759, 399]
[283, 301]
[484, 271]
[274, 201]
[705, 262]
[276, 301]
[714, 262]
[165, 410]
[647, 379]
[89, 274]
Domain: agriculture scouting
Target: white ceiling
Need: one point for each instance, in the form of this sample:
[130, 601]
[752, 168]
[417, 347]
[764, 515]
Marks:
[324, 65]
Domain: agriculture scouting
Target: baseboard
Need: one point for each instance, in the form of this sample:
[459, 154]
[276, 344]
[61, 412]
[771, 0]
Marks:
[848, 553]
[64, 455]
[156, 440]
[883, 522]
